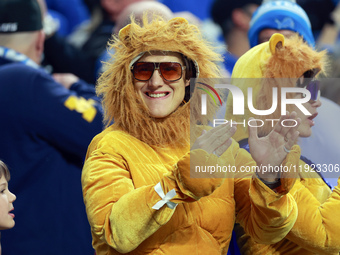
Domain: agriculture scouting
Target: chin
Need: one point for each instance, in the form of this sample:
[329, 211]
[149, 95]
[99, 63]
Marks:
[305, 133]
[159, 115]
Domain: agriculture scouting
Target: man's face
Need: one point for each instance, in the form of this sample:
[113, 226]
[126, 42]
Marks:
[162, 97]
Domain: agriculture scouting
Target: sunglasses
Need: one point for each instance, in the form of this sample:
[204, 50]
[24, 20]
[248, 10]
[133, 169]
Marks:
[170, 71]
[314, 88]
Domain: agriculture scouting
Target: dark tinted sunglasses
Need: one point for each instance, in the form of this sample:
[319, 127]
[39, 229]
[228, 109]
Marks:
[314, 88]
[170, 71]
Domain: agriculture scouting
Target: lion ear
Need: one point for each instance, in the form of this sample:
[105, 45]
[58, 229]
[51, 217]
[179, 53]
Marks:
[276, 42]
[179, 20]
[123, 33]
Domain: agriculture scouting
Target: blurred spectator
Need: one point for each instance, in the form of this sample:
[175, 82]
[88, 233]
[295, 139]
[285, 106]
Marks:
[69, 13]
[64, 57]
[285, 17]
[233, 17]
[44, 137]
[137, 10]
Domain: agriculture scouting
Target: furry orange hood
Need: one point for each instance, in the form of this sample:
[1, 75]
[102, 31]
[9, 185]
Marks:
[279, 58]
[122, 104]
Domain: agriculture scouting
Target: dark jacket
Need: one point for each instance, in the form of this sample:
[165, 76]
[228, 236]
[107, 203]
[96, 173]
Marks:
[44, 133]
[65, 58]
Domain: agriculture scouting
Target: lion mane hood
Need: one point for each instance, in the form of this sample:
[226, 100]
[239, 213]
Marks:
[122, 104]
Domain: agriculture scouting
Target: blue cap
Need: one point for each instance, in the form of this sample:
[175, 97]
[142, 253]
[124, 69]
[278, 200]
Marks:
[280, 15]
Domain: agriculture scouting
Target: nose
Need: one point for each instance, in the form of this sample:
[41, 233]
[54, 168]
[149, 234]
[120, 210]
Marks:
[156, 79]
[316, 103]
[12, 197]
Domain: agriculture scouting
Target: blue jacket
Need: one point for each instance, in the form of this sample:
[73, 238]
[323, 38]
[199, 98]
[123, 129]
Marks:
[44, 133]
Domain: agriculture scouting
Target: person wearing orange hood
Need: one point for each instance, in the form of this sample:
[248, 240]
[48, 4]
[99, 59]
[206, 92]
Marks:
[289, 63]
[138, 190]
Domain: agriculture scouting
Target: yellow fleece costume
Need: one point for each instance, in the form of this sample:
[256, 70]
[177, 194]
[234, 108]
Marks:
[316, 230]
[129, 160]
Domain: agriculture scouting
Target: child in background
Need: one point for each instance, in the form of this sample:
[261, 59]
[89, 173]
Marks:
[6, 200]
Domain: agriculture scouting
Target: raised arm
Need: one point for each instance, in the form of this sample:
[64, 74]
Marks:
[267, 212]
[266, 215]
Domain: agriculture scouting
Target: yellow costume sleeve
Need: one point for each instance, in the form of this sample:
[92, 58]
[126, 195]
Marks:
[266, 215]
[118, 213]
[317, 228]
[191, 183]
[122, 215]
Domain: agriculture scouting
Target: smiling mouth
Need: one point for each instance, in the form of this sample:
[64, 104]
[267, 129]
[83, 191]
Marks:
[157, 95]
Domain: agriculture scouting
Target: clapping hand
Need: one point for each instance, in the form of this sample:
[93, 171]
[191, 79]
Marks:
[272, 149]
[217, 140]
